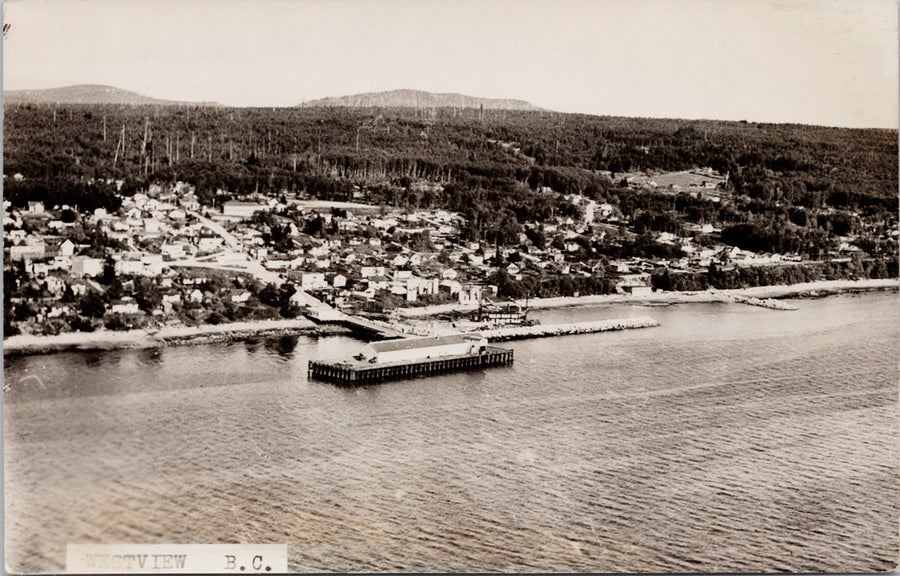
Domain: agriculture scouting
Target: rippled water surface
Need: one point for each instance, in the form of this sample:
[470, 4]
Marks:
[730, 438]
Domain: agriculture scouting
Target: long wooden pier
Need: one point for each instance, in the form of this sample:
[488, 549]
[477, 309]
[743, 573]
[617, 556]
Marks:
[360, 373]
[370, 329]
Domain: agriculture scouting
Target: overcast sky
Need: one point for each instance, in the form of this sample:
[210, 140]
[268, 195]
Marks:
[830, 62]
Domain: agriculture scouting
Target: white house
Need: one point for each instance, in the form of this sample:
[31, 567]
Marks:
[124, 306]
[67, 248]
[313, 281]
[86, 266]
[370, 271]
[240, 296]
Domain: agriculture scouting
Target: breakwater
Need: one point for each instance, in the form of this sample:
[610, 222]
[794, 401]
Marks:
[546, 330]
[770, 303]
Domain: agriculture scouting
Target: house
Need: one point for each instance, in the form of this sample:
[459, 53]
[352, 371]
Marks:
[61, 263]
[58, 310]
[35, 207]
[513, 269]
[129, 267]
[208, 243]
[370, 271]
[449, 274]
[402, 275]
[152, 263]
[39, 269]
[124, 306]
[15, 236]
[240, 296]
[638, 290]
[277, 262]
[313, 281]
[339, 281]
[173, 251]
[172, 297]
[86, 266]
[195, 296]
[67, 247]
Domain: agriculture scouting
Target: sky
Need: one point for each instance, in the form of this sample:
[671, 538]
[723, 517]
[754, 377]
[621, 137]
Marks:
[825, 62]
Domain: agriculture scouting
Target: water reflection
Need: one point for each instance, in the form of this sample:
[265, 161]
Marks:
[283, 346]
[151, 356]
[252, 345]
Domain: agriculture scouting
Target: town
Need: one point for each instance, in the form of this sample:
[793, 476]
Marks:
[164, 259]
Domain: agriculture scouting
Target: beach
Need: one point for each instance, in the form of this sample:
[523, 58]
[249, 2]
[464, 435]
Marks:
[169, 336]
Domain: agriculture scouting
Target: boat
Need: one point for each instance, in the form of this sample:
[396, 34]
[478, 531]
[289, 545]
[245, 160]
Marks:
[509, 315]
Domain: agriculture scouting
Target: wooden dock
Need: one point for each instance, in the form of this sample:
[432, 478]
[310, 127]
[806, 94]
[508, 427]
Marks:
[361, 373]
[369, 329]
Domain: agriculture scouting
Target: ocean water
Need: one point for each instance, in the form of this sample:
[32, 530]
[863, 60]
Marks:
[730, 438]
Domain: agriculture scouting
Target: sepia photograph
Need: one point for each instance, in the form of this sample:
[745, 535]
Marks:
[455, 286]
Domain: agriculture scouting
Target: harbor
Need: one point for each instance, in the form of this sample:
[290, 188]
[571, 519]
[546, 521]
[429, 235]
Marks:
[412, 357]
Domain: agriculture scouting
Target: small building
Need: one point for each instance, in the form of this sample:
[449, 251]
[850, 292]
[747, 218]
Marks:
[86, 266]
[408, 349]
[313, 281]
[67, 248]
[124, 306]
[240, 296]
[209, 243]
[371, 271]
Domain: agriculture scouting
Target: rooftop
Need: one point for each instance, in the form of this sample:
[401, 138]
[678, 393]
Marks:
[425, 342]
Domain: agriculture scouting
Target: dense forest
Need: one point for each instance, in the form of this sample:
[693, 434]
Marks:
[791, 184]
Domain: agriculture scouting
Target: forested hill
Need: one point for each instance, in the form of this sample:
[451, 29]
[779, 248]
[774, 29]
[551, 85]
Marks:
[87, 94]
[421, 99]
[494, 166]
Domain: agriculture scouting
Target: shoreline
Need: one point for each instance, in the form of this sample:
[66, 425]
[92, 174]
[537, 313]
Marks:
[26, 344]
[806, 289]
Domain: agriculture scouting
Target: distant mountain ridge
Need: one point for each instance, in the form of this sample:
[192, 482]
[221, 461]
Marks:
[89, 94]
[420, 99]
